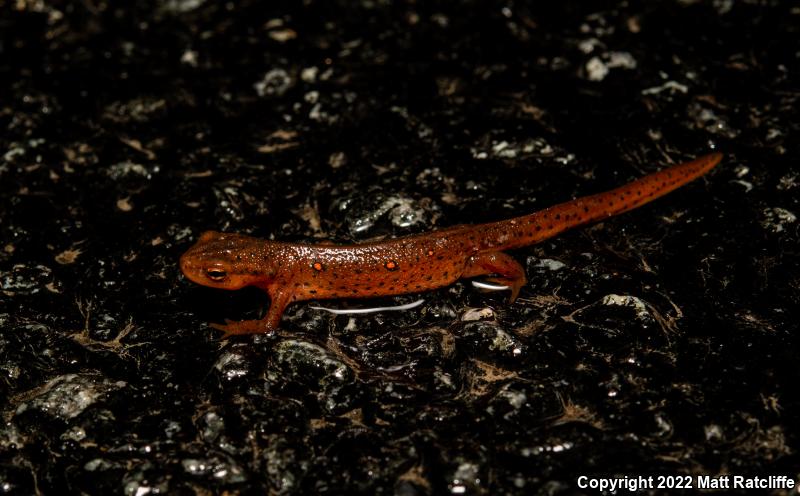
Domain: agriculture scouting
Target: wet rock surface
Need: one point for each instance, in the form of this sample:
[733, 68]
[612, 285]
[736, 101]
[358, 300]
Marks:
[663, 341]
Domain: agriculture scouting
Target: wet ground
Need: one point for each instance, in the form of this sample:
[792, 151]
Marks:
[663, 341]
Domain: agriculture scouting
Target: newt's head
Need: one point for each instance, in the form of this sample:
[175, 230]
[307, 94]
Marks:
[225, 261]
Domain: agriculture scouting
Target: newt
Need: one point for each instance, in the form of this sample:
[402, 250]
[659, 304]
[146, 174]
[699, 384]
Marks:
[291, 272]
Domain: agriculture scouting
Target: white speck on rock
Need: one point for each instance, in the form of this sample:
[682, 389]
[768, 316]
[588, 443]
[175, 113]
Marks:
[628, 301]
[671, 86]
[274, 83]
[67, 396]
[777, 219]
[550, 264]
[477, 314]
[598, 67]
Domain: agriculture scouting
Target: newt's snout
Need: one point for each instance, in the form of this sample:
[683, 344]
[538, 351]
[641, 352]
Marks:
[190, 268]
[217, 261]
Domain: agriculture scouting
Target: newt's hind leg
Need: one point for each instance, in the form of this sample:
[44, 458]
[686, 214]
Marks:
[509, 272]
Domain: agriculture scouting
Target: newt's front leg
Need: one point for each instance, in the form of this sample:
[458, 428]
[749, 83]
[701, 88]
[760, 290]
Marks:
[278, 302]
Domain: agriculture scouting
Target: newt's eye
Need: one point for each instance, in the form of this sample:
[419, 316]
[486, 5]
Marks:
[216, 274]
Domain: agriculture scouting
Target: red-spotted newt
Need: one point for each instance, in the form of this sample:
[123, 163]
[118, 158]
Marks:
[291, 272]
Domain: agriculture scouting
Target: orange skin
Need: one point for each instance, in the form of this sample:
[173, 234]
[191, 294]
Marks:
[291, 272]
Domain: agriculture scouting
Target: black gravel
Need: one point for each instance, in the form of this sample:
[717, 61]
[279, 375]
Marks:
[663, 341]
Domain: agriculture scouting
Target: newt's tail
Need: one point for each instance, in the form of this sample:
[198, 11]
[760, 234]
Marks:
[531, 229]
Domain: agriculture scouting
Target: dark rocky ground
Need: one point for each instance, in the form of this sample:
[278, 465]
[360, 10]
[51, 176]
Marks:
[663, 341]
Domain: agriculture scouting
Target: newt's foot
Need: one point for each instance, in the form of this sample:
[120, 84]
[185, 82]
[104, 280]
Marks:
[514, 285]
[241, 328]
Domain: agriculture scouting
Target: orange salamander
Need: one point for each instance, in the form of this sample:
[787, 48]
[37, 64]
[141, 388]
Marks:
[291, 272]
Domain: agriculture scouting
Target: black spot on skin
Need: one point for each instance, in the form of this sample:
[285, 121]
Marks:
[558, 216]
[429, 278]
[538, 227]
[585, 208]
[313, 291]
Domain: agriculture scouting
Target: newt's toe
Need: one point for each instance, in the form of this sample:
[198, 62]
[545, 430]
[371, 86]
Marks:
[232, 328]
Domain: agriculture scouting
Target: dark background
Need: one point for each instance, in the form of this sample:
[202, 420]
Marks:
[663, 341]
